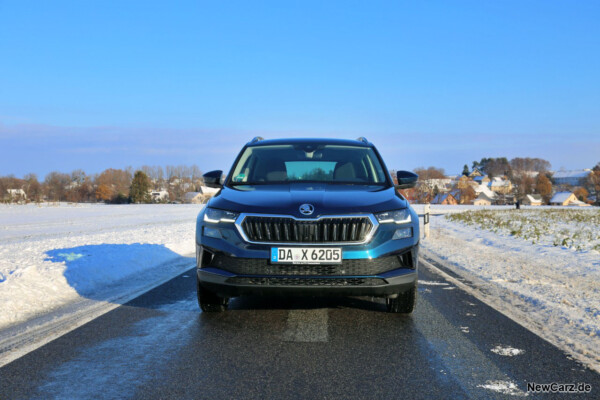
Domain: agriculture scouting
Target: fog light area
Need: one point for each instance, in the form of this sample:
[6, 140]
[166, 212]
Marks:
[212, 232]
[402, 233]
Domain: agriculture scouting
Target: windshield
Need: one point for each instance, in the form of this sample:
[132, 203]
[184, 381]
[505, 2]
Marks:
[308, 163]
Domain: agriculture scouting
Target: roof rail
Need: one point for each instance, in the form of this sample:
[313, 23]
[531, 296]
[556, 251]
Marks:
[256, 139]
[363, 139]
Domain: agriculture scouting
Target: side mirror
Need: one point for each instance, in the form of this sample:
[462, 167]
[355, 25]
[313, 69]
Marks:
[406, 179]
[213, 179]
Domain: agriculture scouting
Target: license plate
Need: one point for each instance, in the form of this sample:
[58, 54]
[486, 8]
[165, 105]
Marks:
[306, 255]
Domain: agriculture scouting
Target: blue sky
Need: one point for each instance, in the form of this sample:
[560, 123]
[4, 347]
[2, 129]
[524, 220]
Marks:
[98, 84]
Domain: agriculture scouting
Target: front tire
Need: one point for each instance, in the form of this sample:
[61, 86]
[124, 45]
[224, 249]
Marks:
[210, 301]
[404, 303]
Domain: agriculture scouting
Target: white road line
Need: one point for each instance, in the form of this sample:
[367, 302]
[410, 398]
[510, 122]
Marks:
[307, 326]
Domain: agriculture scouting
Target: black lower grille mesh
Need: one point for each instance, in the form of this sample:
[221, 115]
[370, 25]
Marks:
[260, 266]
[284, 281]
[290, 230]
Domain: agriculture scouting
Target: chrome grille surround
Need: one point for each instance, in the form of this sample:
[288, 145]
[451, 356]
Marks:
[367, 238]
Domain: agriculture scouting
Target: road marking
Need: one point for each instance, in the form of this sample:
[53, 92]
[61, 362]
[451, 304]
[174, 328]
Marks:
[307, 326]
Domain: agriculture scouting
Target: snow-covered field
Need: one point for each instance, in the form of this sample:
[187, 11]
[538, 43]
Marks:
[519, 263]
[52, 256]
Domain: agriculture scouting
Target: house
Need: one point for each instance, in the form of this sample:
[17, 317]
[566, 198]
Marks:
[208, 190]
[482, 179]
[566, 199]
[573, 177]
[158, 196]
[532, 200]
[483, 200]
[442, 184]
[486, 191]
[475, 172]
[200, 197]
[17, 195]
[499, 185]
[445, 199]
[193, 198]
[464, 182]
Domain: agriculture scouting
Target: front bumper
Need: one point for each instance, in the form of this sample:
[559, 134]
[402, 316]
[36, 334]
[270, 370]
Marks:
[230, 276]
[226, 284]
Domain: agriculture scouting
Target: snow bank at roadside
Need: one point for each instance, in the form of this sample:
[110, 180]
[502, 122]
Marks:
[51, 256]
[553, 291]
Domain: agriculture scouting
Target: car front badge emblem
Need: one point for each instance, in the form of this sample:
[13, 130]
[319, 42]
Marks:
[307, 209]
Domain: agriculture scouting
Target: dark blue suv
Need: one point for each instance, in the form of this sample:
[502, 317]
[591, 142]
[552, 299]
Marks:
[316, 217]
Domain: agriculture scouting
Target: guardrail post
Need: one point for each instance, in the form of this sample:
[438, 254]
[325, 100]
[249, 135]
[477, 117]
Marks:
[426, 220]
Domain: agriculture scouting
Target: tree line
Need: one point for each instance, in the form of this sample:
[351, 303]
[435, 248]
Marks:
[110, 186]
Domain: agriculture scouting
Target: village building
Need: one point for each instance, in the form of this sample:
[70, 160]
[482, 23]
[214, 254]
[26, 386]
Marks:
[483, 200]
[532, 200]
[572, 178]
[159, 196]
[499, 185]
[566, 199]
[482, 180]
[475, 173]
[446, 199]
[17, 195]
[200, 197]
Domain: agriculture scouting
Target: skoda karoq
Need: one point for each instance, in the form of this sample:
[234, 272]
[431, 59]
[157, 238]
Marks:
[317, 217]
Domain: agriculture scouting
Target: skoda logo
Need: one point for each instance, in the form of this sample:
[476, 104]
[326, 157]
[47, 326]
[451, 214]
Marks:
[307, 209]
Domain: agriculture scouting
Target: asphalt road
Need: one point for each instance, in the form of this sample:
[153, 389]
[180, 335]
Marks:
[160, 346]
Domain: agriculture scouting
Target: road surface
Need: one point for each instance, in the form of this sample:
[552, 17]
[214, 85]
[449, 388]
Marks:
[161, 346]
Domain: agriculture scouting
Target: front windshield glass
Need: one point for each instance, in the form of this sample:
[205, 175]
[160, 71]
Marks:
[308, 163]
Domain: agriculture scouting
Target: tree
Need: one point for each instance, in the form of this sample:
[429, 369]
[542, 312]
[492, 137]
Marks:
[56, 185]
[528, 164]
[140, 185]
[465, 170]
[429, 173]
[467, 195]
[33, 189]
[543, 186]
[115, 181]
[581, 194]
[104, 192]
[497, 167]
[593, 183]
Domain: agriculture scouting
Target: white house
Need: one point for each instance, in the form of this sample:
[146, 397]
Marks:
[17, 194]
[485, 190]
[159, 196]
[532, 200]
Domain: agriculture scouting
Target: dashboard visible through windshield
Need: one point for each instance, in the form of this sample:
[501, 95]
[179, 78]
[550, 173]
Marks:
[290, 163]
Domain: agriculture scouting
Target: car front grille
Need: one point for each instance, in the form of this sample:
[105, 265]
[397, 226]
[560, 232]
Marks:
[266, 229]
[285, 281]
[262, 266]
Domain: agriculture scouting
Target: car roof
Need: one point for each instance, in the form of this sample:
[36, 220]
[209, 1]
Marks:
[318, 141]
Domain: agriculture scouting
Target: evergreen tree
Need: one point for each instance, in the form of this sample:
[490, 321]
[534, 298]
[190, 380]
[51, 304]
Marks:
[139, 188]
[465, 170]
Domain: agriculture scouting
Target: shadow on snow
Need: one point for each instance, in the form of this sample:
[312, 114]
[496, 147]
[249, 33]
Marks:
[92, 270]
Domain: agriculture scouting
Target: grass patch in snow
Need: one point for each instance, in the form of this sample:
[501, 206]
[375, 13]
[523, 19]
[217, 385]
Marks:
[574, 229]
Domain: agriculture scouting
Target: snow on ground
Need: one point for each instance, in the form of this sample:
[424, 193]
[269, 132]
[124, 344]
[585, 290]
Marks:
[54, 255]
[552, 290]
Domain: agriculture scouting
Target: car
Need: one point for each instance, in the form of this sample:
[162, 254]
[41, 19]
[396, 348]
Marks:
[308, 217]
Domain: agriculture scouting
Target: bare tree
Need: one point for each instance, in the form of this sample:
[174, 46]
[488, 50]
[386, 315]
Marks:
[56, 185]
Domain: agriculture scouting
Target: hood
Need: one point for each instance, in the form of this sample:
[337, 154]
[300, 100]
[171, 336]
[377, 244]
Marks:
[326, 199]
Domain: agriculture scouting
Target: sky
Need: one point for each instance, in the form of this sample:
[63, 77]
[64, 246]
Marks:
[108, 84]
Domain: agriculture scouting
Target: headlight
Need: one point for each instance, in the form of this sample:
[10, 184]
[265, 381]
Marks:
[398, 216]
[215, 216]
